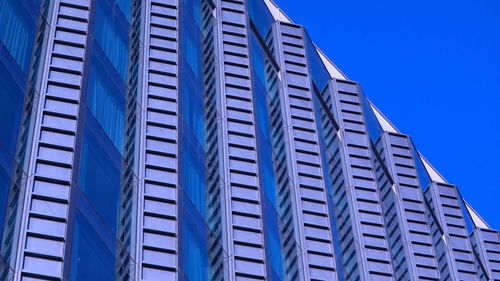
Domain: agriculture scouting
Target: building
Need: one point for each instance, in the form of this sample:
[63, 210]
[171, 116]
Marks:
[208, 140]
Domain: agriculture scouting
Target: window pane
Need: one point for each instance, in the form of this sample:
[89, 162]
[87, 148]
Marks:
[267, 169]
[262, 113]
[106, 97]
[5, 174]
[258, 59]
[193, 171]
[18, 22]
[124, 7]
[319, 74]
[191, 44]
[100, 172]
[11, 101]
[111, 32]
[260, 16]
[193, 7]
[423, 176]
[93, 252]
[192, 104]
[372, 125]
[194, 244]
[273, 238]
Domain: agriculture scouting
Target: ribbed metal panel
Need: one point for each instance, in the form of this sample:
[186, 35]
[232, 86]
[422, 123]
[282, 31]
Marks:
[243, 203]
[313, 229]
[486, 244]
[44, 223]
[345, 201]
[444, 202]
[214, 183]
[360, 223]
[404, 211]
[285, 191]
[157, 234]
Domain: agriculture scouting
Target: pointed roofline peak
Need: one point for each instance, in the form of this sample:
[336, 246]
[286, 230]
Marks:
[279, 15]
[383, 121]
[476, 218]
[332, 69]
[431, 171]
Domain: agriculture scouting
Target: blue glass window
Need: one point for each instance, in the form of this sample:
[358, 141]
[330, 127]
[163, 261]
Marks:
[94, 247]
[372, 125]
[340, 273]
[5, 175]
[100, 172]
[18, 21]
[193, 171]
[262, 113]
[194, 243]
[124, 7]
[264, 140]
[111, 32]
[106, 97]
[11, 101]
[273, 238]
[192, 104]
[267, 169]
[257, 59]
[423, 176]
[467, 218]
[193, 6]
[191, 44]
[319, 74]
[260, 16]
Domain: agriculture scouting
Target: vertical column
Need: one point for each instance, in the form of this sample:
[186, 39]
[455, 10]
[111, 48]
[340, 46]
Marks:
[486, 245]
[156, 253]
[360, 224]
[46, 203]
[214, 184]
[444, 202]
[404, 211]
[313, 224]
[243, 203]
[285, 194]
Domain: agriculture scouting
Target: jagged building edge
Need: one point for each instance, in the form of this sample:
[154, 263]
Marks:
[209, 140]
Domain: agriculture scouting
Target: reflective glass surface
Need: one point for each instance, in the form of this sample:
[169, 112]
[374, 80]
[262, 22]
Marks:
[372, 125]
[5, 174]
[94, 247]
[191, 44]
[106, 97]
[192, 103]
[271, 226]
[111, 32]
[260, 16]
[319, 74]
[11, 100]
[193, 6]
[124, 7]
[193, 171]
[12, 85]
[194, 243]
[18, 21]
[423, 176]
[100, 173]
[258, 59]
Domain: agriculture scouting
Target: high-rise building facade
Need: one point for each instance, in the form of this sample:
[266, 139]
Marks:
[208, 140]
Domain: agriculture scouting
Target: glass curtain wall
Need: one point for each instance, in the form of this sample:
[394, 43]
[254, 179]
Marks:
[106, 179]
[201, 255]
[22, 39]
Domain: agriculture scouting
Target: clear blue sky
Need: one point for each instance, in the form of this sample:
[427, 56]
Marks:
[433, 68]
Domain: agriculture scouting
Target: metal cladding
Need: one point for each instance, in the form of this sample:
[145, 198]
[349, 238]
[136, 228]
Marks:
[209, 140]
